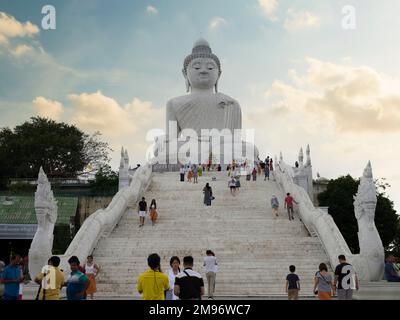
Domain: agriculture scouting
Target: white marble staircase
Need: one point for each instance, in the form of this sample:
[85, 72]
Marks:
[253, 250]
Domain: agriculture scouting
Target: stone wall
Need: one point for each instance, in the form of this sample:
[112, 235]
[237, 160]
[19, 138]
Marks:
[87, 205]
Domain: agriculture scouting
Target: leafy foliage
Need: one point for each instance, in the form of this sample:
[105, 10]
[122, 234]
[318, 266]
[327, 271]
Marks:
[105, 180]
[61, 149]
[339, 198]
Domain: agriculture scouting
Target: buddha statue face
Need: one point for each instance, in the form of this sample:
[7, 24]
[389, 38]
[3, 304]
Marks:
[202, 73]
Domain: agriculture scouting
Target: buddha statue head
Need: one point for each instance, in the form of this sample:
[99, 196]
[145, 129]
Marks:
[201, 68]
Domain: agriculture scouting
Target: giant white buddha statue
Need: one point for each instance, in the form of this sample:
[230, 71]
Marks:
[203, 107]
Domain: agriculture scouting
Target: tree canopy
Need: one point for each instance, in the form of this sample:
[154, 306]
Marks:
[339, 198]
[61, 149]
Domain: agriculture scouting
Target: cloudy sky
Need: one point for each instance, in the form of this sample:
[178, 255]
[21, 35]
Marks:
[299, 75]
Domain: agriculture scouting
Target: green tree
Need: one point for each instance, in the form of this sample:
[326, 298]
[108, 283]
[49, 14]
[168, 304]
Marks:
[339, 198]
[394, 248]
[106, 181]
[61, 149]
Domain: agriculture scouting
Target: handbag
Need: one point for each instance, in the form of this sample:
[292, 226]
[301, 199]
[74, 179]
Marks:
[316, 291]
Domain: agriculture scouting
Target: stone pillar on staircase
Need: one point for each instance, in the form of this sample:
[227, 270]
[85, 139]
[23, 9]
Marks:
[123, 174]
[303, 174]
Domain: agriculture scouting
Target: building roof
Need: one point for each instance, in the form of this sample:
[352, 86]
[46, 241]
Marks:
[21, 210]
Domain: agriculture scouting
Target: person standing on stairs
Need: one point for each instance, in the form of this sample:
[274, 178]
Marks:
[289, 205]
[153, 212]
[142, 211]
[232, 186]
[153, 283]
[189, 174]
[237, 180]
[323, 284]
[275, 206]
[267, 161]
[248, 173]
[189, 285]
[254, 173]
[271, 169]
[182, 173]
[346, 279]
[172, 273]
[292, 284]
[207, 190]
[210, 264]
[266, 172]
[195, 173]
[91, 270]
[200, 170]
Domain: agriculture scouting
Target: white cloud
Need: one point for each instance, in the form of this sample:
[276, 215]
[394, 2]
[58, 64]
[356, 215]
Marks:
[297, 20]
[120, 125]
[21, 50]
[11, 28]
[348, 114]
[95, 111]
[269, 7]
[216, 22]
[48, 108]
[152, 10]
[352, 99]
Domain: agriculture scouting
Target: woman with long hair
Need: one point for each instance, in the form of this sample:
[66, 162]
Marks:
[153, 212]
[153, 283]
[207, 194]
[172, 273]
[190, 175]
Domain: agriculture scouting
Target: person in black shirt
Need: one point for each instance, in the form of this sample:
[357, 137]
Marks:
[142, 211]
[346, 279]
[189, 285]
[292, 284]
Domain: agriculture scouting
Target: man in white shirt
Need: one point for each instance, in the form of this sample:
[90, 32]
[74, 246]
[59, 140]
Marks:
[210, 264]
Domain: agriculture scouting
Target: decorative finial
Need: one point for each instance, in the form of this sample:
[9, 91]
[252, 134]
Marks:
[44, 197]
[301, 156]
[308, 155]
[368, 171]
[281, 156]
[201, 42]
[42, 178]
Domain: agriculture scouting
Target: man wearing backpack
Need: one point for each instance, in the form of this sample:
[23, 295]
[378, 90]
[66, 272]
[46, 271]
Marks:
[189, 285]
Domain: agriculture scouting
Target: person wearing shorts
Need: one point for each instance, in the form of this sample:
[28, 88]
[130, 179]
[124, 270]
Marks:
[142, 211]
[292, 284]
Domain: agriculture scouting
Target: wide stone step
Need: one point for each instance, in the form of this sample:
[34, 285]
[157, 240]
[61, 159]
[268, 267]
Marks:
[253, 249]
